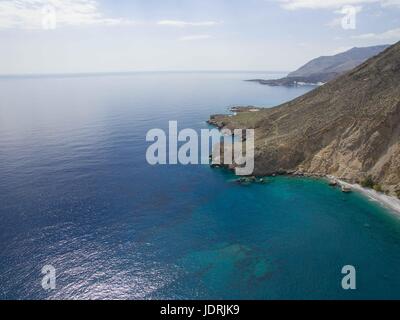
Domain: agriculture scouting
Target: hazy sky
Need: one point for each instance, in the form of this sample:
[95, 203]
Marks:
[144, 35]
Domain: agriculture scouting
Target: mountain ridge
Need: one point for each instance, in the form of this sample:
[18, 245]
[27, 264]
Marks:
[326, 68]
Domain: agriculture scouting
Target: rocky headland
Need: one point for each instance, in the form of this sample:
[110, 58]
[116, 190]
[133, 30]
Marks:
[348, 128]
[326, 68]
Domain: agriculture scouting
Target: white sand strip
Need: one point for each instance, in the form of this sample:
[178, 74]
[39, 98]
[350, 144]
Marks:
[389, 202]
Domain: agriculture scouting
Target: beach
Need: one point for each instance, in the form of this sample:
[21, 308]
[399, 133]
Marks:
[389, 202]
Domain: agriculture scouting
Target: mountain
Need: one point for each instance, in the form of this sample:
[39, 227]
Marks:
[348, 128]
[326, 68]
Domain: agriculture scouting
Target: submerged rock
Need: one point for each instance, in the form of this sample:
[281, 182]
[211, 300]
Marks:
[250, 180]
[262, 180]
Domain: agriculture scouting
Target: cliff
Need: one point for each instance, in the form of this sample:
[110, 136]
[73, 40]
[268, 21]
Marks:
[349, 128]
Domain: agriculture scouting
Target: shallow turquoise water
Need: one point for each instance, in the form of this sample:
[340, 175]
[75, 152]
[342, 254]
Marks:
[76, 192]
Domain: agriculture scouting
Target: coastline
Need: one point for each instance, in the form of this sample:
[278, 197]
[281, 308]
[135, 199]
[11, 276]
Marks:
[392, 203]
[389, 202]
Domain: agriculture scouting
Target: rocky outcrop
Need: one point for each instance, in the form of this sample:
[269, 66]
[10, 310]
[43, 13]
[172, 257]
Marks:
[348, 128]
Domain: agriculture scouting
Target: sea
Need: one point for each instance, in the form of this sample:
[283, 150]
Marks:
[78, 196]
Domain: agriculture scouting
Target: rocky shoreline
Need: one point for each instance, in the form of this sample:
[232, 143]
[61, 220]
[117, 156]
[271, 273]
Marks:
[219, 121]
[293, 81]
[348, 184]
[389, 202]
[348, 128]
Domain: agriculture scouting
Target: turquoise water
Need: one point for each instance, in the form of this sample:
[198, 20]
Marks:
[76, 192]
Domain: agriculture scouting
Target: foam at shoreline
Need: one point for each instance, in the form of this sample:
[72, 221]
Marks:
[389, 202]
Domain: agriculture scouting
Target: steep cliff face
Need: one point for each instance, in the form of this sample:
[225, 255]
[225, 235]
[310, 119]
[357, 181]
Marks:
[349, 127]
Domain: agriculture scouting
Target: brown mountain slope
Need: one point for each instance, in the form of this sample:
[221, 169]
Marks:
[349, 128]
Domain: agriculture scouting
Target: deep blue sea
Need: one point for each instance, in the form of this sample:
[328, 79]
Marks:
[77, 193]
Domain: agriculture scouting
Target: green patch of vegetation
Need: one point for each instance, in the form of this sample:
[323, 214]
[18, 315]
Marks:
[398, 194]
[368, 182]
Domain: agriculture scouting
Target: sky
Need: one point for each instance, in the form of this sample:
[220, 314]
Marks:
[84, 36]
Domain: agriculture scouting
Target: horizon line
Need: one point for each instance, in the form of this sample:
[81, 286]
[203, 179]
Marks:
[111, 73]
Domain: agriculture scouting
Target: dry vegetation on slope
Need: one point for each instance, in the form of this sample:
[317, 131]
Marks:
[349, 128]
